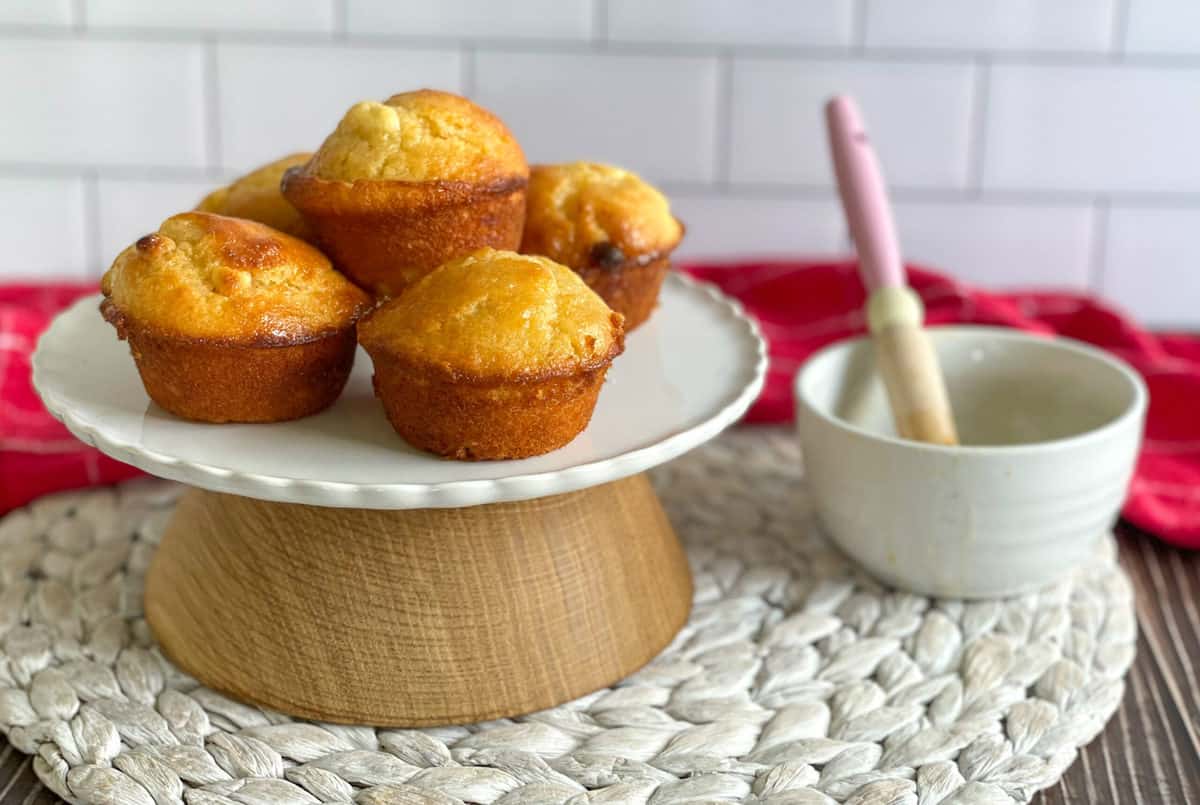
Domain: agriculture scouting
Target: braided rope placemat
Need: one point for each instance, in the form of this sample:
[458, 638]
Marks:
[797, 679]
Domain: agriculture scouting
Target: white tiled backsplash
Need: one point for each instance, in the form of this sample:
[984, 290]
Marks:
[1027, 142]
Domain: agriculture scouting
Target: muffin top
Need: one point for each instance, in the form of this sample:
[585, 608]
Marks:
[214, 278]
[420, 136]
[585, 214]
[257, 196]
[497, 315]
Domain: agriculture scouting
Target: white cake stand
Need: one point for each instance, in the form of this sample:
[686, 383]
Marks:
[324, 568]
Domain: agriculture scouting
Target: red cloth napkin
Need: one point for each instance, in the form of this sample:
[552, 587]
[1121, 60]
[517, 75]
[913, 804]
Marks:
[801, 307]
[37, 454]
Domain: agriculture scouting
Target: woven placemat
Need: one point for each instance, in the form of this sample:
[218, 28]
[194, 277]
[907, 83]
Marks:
[797, 680]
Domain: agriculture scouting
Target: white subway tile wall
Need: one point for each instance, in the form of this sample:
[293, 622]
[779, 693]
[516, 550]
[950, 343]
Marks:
[1164, 26]
[212, 15]
[763, 22]
[1151, 261]
[277, 99]
[82, 102]
[1093, 128]
[731, 226]
[36, 12]
[129, 208]
[655, 115]
[42, 224]
[1027, 142]
[918, 115]
[455, 19]
[1024, 244]
[1063, 25]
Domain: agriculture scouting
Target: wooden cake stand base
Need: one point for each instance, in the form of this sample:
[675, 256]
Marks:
[423, 616]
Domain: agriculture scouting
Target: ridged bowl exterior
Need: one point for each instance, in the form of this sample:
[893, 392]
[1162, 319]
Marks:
[969, 521]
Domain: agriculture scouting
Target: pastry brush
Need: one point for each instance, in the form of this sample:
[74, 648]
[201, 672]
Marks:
[904, 355]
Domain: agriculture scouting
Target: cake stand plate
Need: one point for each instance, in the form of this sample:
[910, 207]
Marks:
[326, 569]
[686, 374]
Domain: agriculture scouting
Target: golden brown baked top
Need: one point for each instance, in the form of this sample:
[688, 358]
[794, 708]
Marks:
[257, 196]
[420, 136]
[497, 314]
[586, 214]
[215, 278]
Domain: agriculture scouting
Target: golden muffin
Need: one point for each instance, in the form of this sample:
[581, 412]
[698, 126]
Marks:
[607, 224]
[401, 187]
[231, 321]
[257, 197]
[493, 355]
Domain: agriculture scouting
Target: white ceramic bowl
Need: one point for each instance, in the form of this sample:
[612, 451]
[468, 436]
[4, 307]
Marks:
[1051, 430]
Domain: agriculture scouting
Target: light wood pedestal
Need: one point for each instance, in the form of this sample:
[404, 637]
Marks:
[423, 616]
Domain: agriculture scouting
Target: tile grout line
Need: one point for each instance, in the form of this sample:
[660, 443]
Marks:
[127, 172]
[212, 105]
[723, 136]
[977, 136]
[567, 45]
[1033, 197]
[949, 195]
[79, 15]
[93, 239]
[1119, 35]
[467, 71]
[1098, 257]
[600, 12]
[858, 27]
[341, 19]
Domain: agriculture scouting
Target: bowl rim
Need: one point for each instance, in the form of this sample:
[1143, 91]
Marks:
[1134, 410]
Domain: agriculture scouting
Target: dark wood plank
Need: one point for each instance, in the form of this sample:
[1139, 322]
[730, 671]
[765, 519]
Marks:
[17, 780]
[1148, 753]
[1168, 585]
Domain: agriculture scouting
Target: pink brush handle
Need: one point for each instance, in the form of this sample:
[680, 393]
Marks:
[864, 196]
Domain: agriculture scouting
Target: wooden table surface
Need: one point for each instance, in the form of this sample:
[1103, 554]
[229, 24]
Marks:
[1148, 753]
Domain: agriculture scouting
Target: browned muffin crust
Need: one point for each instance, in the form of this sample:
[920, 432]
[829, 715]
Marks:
[585, 214]
[231, 382]
[630, 288]
[213, 278]
[257, 197]
[388, 234]
[494, 355]
[401, 187]
[471, 419]
[421, 136]
[230, 321]
[497, 316]
[607, 224]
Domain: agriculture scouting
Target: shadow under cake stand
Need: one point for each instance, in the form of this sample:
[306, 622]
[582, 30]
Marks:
[324, 568]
